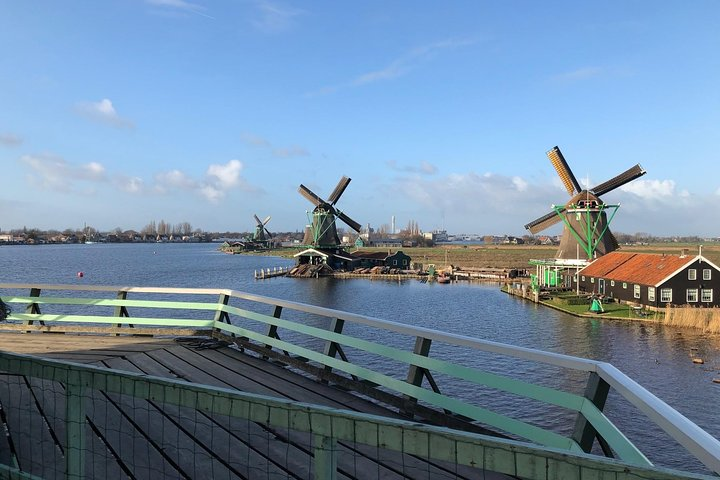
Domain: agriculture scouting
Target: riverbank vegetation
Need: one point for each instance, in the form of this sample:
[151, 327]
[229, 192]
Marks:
[510, 256]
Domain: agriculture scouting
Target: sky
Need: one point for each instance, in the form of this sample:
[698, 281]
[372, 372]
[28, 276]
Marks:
[123, 112]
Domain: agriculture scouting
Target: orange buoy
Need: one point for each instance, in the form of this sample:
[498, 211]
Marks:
[698, 360]
[80, 274]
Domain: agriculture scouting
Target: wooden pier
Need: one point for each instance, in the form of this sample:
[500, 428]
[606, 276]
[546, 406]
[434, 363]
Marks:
[263, 389]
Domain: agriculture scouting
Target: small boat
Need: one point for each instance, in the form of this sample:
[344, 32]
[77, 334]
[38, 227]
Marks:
[443, 278]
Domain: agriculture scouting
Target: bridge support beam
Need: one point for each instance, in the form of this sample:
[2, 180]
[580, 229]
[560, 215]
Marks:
[596, 391]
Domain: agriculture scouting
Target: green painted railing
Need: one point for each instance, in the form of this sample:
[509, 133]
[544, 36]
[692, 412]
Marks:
[328, 426]
[239, 316]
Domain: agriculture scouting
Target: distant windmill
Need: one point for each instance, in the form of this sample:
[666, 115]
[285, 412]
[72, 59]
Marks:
[586, 229]
[262, 234]
[322, 233]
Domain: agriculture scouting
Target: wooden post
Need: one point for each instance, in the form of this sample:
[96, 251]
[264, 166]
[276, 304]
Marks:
[325, 453]
[74, 427]
[415, 373]
[596, 391]
[331, 348]
[121, 311]
[272, 329]
[220, 315]
[33, 307]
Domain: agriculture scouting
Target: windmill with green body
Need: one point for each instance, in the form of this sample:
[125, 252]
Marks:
[322, 231]
[262, 235]
[586, 234]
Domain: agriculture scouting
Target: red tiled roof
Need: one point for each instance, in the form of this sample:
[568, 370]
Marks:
[642, 268]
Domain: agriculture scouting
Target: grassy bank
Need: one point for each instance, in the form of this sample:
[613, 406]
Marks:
[510, 256]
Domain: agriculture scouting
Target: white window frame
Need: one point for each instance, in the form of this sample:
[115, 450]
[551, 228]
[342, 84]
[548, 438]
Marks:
[612, 283]
[624, 284]
[691, 295]
[666, 295]
[707, 274]
[651, 294]
[692, 274]
[709, 293]
[636, 291]
[583, 278]
[592, 279]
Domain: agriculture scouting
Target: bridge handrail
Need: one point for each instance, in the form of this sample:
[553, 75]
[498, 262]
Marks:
[693, 438]
[327, 425]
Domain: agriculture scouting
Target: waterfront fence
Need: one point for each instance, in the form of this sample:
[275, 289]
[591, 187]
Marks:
[317, 340]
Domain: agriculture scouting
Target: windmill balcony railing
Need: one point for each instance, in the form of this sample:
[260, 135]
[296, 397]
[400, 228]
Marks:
[547, 400]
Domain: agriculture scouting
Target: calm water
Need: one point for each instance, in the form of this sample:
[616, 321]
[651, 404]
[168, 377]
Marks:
[659, 358]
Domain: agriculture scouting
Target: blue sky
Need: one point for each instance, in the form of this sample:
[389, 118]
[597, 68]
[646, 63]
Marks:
[121, 112]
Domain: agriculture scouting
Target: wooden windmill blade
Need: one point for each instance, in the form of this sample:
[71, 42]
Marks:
[267, 219]
[546, 221]
[348, 221]
[563, 169]
[339, 189]
[257, 219]
[307, 193]
[627, 176]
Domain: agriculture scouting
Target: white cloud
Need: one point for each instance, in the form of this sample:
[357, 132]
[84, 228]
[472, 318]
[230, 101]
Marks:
[225, 176]
[174, 179]
[579, 74]
[10, 140]
[180, 5]
[280, 152]
[54, 173]
[132, 185]
[103, 112]
[273, 17]
[651, 189]
[425, 168]
[398, 67]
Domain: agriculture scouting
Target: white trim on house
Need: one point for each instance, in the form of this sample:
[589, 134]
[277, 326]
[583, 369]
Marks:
[692, 260]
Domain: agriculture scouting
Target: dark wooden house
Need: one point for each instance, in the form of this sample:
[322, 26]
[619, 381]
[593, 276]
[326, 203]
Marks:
[398, 260]
[375, 259]
[653, 280]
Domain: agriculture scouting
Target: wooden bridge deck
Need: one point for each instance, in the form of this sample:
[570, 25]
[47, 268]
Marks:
[140, 439]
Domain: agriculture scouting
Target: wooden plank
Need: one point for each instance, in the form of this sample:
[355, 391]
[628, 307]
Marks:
[221, 441]
[50, 396]
[37, 451]
[129, 443]
[356, 457]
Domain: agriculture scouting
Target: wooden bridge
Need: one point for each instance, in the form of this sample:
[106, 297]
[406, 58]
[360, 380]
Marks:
[110, 382]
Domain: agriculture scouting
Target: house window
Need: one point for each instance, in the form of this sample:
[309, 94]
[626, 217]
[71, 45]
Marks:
[624, 285]
[612, 283]
[666, 295]
[692, 274]
[707, 274]
[651, 294]
[583, 278]
[636, 291]
[394, 262]
[706, 295]
[592, 279]
[692, 295]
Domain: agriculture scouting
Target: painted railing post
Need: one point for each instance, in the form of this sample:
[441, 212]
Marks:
[272, 329]
[121, 310]
[33, 308]
[331, 348]
[221, 315]
[325, 453]
[74, 426]
[584, 435]
[415, 373]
